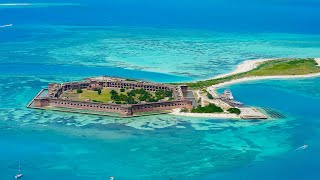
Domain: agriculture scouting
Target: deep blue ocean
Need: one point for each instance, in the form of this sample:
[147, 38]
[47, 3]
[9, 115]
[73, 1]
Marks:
[164, 41]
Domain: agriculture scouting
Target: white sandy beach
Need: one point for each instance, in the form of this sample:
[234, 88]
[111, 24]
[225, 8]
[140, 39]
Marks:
[177, 112]
[244, 67]
[251, 64]
[256, 78]
[317, 60]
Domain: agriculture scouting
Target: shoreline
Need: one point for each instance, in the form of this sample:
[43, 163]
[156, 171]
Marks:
[245, 66]
[252, 64]
[257, 78]
[176, 112]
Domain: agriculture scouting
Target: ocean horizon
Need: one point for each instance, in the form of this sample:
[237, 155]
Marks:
[167, 41]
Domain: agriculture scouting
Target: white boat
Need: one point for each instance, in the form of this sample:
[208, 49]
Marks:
[19, 175]
[6, 25]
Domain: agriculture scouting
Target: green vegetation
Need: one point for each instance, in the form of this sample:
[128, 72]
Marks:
[121, 96]
[211, 108]
[160, 94]
[277, 67]
[209, 96]
[138, 95]
[98, 90]
[94, 96]
[184, 110]
[79, 91]
[234, 111]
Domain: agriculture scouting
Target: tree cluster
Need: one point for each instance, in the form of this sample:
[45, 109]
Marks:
[209, 96]
[79, 91]
[184, 110]
[119, 98]
[98, 90]
[160, 94]
[211, 108]
[234, 111]
[138, 95]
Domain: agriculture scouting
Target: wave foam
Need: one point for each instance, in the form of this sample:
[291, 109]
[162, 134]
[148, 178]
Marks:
[16, 4]
[13, 5]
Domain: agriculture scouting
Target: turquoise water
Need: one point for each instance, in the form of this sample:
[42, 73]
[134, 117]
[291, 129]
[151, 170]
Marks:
[183, 52]
[62, 145]
[63, 42]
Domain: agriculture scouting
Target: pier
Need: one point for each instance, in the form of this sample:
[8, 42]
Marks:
[251, 113]
[274, 113]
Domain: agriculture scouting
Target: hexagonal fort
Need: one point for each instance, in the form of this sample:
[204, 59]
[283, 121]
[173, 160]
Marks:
[125, 97]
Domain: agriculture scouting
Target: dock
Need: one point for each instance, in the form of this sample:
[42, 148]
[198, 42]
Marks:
[251, 113]
[274, 113]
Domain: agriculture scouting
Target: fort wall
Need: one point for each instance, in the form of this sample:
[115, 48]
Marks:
[124, 110]
[55, 90]
[41, 102]
[102, 107]
[160, 106]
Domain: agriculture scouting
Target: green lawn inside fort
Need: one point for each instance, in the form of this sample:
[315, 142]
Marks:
[278, 67]
[86, 95]
[118, 96]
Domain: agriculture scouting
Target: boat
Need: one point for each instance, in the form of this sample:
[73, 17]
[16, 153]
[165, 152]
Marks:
[302, 147]
[6, 25]
[19, 175]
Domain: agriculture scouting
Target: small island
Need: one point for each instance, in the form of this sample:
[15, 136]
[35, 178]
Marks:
[112, 96]
[121, 97]
[265, 69]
